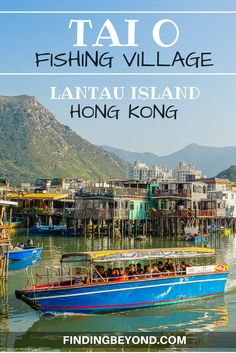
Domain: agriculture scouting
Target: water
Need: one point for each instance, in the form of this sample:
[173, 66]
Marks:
[209, 315]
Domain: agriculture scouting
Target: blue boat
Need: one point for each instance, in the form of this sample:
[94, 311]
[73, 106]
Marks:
[97, 293]
[70, 232]
[196, 238]
[47, 230]
[25, 253]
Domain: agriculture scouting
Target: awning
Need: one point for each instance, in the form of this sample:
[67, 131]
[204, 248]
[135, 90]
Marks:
[8, 203]
[137, 254]
[37, 196]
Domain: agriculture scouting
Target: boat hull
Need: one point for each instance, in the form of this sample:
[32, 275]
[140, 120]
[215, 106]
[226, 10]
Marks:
[47, 230]
[124, 295]
[201, 239]
[25, 254]
[226, 231]
[13, 224]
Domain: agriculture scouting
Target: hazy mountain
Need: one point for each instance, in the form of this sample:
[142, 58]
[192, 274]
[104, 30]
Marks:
[34, 144]
[229, 173]
[211, 160]
[146, 157]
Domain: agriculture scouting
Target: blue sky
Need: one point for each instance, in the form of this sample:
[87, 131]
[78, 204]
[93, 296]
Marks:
[210, 120]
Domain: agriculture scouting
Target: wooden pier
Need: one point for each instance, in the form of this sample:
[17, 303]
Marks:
[5, 244]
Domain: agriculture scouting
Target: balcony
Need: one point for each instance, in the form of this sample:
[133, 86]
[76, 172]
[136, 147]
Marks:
[172, 193]
[102, 213]
[185, 213]
[131, 192]
[206, 213]
[114, 192]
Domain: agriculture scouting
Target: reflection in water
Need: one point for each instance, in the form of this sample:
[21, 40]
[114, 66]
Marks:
[204, 316]
[215, 314]
[21, 264]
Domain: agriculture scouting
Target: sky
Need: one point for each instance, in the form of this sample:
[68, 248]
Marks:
[208, 120]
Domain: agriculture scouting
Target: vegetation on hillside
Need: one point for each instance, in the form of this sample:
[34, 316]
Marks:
[34, 144]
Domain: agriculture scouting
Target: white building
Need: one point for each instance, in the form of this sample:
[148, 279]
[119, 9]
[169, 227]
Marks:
[140, 171]
[217, 184]
[183, 171]
[160, 173]
[229, 199]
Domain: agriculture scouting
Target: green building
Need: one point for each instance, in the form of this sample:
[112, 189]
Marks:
[137, 210]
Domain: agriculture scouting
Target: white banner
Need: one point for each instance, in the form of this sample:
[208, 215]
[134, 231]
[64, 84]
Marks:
[200, 269]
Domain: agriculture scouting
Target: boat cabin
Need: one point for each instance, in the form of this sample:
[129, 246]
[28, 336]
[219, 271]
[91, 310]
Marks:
[111, 266]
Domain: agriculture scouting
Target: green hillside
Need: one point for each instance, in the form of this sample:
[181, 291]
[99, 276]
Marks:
[229, 173]
[34, 144]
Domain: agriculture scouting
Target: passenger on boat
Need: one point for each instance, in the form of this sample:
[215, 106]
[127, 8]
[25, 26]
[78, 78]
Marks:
[119, 275]
[79, 278]
[183, 267]
[30, 242]
[169, 267]
[160, 266]
[155, 271]
[133, 274]
[177, 268]
[108, 274]
[96, 275]
[115, 273]
[102, 271]
[123, 275]
[139, 269]
[147, 271]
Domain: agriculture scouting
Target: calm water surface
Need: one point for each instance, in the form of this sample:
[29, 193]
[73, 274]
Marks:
[216, 314]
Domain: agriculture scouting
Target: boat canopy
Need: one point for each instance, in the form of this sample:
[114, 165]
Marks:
[137, 254]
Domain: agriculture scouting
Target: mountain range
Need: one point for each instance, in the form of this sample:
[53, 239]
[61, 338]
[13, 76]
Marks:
[33, 144]
[211, 160]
